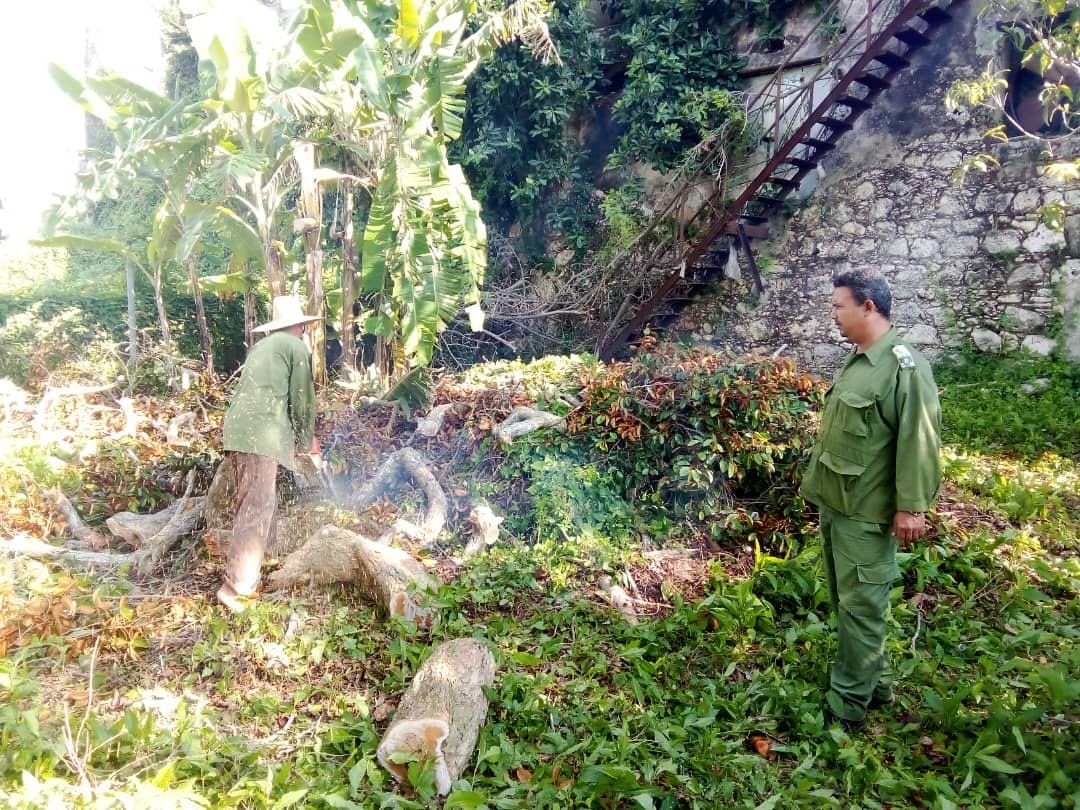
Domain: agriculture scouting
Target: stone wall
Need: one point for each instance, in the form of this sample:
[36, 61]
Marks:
[969, 261]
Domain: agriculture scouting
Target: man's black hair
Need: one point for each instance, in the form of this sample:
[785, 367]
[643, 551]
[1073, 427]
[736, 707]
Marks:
[867, 285]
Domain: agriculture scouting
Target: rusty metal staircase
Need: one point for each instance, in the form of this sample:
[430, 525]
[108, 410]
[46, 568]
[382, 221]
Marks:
[865, 62]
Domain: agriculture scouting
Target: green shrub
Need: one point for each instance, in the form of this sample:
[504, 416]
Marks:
[101, 315]
[692, 434]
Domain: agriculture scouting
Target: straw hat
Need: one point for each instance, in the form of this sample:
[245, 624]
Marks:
[287, 312]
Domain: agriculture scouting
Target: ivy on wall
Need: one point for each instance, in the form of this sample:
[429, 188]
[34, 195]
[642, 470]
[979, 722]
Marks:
[642, 82]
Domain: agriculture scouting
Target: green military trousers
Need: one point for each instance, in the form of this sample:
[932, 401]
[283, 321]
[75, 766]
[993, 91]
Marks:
[860, 563]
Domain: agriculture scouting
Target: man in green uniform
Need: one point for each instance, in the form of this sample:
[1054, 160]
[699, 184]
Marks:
[873, 474]
[271, 416]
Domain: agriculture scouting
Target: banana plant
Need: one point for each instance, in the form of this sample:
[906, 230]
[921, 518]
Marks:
[397, 70]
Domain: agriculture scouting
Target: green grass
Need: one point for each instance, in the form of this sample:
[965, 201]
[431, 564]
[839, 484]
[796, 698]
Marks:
[280, 705]
[985, 409]
[109, 699]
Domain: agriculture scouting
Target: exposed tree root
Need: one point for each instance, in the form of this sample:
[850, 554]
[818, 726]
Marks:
[619, 598]
[90, 538]
[524, 420]
[182, 520]
[408, 461]
[440, 715]
[485, 530]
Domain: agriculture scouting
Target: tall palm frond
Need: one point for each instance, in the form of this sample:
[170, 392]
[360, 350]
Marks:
[525, 20]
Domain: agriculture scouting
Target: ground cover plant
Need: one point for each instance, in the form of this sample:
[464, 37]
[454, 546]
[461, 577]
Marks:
[117, 691]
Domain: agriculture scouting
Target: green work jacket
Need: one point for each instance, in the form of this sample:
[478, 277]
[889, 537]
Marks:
[877, 451]
[273, 410]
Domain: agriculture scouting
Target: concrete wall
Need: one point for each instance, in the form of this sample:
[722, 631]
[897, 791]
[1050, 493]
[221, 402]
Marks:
[968, 261]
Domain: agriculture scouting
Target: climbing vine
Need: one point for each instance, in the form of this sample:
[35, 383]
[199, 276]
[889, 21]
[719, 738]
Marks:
[641, 82]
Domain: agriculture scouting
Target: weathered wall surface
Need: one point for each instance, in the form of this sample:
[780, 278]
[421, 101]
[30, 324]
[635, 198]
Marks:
[968, 262]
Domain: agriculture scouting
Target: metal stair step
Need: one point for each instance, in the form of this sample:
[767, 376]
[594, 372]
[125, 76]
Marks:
[836, 124]
[912, 38]
[802, 163]
[853, 103]
[755, 219]
[892, 60]
[936, 16]
[819, 145]
[872, 82]
[784, 182]
[766, 201]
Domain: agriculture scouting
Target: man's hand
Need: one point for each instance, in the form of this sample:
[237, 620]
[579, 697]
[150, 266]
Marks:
[908, 526]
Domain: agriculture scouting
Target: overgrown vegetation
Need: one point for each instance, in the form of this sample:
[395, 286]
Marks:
[114, 695]
[640, 83]
[1018, 404]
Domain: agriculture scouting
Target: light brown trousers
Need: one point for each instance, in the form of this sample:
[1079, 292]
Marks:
[250, 485]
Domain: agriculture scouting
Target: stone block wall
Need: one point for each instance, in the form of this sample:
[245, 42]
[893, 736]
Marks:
[969, 262]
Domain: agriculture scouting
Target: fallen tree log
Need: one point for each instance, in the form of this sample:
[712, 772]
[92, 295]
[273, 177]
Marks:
[393, 471]
[388, 576]
[440, 715]
[524, 420]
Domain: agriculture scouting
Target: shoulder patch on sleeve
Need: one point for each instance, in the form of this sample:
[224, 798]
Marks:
[903, 356]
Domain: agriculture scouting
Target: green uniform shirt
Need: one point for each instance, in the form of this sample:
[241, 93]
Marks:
[273, 410]
[877, 446]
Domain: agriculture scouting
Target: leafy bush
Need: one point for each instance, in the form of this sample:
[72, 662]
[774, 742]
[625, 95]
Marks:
[985, 409]
[101, 314]
[693, 434]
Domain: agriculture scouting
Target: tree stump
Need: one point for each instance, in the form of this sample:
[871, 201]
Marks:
[440, 715]
[388, 576]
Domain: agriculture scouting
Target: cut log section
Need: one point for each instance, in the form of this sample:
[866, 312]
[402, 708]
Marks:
[440, 715]
[388, 576]
[524, 420]
[401, 463]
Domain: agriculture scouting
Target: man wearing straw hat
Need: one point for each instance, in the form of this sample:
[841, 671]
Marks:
[270, 417]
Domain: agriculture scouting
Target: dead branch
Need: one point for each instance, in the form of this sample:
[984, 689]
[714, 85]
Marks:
[131, 418]
[25, 546]
[80, 531]
[440, 715]
[178, 423]
[51, 395]
[524, 420]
